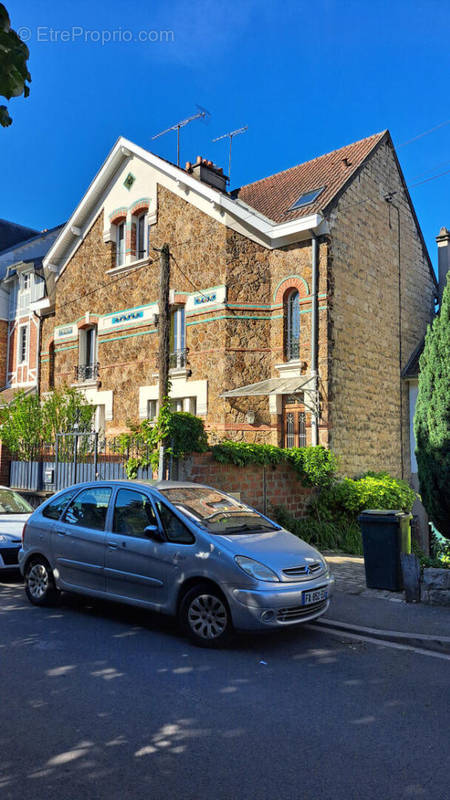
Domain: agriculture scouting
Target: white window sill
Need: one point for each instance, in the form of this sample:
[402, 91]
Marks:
[125, 267]
[291, 368]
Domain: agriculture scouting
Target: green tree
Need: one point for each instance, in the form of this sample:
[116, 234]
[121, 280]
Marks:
[432, 419]
[14, 74]
[20, 425]
[27, 422]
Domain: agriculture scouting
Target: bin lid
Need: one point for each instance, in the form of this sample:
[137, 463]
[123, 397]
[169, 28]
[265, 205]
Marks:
[374, 514]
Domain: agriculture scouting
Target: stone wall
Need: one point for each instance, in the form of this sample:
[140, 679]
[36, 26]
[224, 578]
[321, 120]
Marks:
[369, 340]
[260, 487]
[435, 586]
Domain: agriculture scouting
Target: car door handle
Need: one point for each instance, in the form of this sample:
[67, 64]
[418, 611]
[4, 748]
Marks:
[113, 545]
[60, 532]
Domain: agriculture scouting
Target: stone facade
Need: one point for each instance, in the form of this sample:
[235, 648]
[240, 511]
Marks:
[234, 343]
[376, 318]
[234, 289]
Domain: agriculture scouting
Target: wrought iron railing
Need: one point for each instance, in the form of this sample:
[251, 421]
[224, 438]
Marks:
[178, 358]
[86, 372]
[292, 348]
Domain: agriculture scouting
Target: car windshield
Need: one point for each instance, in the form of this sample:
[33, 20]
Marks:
[13, 503]
[217, 512]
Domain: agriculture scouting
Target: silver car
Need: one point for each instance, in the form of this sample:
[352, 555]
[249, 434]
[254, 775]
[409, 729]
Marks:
[179, 548]
[14, 512]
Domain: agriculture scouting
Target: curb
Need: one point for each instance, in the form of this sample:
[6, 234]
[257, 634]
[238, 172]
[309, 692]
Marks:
[439, 644]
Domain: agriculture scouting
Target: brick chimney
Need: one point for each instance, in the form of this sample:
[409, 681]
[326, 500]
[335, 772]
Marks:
[207, 172]
[443, 243]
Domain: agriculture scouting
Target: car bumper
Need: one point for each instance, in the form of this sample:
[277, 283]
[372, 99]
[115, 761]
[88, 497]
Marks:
[9, 557]
[279, 606]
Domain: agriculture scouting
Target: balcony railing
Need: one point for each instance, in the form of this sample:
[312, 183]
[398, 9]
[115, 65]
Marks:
[86, 372]
[178, 359]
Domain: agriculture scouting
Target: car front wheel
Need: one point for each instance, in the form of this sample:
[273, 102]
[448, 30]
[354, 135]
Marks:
[205, 617]
[40, 584]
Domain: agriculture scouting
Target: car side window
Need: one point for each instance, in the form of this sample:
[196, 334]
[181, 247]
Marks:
[175, 530]
[133, 511]
[55, 508]
[89, 508]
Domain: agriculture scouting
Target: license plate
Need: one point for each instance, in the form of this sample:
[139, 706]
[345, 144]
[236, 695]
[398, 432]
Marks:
[314, 596]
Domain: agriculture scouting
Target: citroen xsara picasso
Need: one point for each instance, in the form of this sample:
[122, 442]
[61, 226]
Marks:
[179, 548]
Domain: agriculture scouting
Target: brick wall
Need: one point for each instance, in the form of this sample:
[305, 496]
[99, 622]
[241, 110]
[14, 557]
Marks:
[283, 487]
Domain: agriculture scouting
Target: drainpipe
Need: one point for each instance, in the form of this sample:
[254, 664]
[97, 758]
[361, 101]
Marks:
[314, 341]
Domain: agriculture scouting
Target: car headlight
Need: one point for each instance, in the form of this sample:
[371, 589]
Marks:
[255, 569]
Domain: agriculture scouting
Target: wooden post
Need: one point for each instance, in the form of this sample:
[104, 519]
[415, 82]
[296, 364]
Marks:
[164, 336]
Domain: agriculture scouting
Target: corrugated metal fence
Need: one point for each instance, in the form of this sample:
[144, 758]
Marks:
[52, 467]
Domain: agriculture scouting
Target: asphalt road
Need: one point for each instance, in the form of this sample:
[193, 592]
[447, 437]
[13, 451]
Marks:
[103, 701]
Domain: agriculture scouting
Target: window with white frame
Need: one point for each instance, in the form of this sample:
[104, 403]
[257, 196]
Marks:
[25, 290]
[120, 243]
[87, 354]
[152, 410]
[178, 351]
[184, 404]
[142, 236]
[23, 344]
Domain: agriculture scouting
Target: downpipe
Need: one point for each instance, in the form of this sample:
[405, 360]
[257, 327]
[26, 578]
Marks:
[314, 341]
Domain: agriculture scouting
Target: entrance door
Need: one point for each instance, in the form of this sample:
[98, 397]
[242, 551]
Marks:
[294, 422]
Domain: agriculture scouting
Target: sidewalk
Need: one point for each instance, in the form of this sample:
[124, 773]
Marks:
[353, 603]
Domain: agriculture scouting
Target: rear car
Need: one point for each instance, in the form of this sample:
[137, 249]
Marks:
[14, 512]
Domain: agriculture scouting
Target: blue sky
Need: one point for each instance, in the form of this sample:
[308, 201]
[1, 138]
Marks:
[305, 77]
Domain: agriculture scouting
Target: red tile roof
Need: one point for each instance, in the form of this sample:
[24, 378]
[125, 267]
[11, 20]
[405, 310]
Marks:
[273, 196]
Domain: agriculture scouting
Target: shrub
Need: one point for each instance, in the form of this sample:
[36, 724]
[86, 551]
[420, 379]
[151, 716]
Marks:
[315, 466]
[322, 534]
[181, 432]
[345, 499]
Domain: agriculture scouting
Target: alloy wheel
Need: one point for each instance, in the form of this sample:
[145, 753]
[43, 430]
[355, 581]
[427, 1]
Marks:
[207, 616]
[38, 581]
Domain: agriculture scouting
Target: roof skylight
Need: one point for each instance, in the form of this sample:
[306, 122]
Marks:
[306, 198]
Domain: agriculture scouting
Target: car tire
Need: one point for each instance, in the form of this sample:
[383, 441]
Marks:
[205, 617]
[40, 584]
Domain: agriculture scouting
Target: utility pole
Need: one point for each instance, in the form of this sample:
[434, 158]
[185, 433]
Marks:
[164, 337]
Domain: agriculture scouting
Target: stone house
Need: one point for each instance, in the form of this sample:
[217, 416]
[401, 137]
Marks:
[295, 300]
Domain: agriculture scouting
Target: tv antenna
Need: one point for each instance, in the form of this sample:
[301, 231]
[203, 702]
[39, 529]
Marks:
[230, 137]
[202, 113]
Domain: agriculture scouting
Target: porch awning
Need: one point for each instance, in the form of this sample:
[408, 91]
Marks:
[272, 386]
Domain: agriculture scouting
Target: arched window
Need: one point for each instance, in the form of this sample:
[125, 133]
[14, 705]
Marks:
[292, 325]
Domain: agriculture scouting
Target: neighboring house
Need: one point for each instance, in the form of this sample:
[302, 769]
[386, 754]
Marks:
[22, 295]
[410, 372]
[295, 300]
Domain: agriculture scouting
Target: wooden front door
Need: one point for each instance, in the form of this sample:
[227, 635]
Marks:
[294, 422]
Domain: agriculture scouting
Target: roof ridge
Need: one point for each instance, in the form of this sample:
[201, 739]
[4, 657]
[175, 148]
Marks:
[311, 160]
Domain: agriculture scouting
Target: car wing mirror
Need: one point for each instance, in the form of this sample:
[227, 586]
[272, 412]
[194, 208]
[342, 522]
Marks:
[153, 532]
